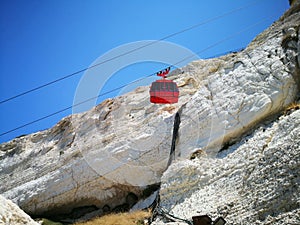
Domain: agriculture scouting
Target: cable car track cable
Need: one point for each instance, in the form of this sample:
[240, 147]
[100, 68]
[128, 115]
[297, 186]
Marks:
[133, 50]
[70, 107]
[221, 41]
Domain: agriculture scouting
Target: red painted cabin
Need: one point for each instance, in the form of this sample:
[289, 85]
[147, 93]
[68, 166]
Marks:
[164, 92]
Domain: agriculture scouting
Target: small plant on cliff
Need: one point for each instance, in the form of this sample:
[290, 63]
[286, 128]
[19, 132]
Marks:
[133, 218]
[292, 107]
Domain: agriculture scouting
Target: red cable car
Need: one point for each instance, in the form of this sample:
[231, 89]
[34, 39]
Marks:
[164, 91]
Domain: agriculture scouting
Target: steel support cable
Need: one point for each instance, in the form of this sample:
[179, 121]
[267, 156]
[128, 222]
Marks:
[223, 40]
[120, 87]
[75, 105]
[131, 51]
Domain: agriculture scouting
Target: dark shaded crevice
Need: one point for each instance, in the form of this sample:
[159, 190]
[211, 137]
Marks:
[150, 189]
[67, 218]
[154, 206]
[174, 138]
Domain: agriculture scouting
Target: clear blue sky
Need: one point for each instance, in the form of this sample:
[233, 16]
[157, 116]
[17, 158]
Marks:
[43, 40]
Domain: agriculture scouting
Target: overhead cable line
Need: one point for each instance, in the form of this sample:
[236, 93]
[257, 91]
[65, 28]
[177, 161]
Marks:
[75, 105]
[120, 87]
[131, 51]
[223, 40]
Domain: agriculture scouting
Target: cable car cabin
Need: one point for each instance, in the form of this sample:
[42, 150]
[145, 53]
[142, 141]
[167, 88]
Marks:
[164, 92]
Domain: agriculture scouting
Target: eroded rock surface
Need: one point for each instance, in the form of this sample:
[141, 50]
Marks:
[241, 90]
[255, 181]
[10, 213]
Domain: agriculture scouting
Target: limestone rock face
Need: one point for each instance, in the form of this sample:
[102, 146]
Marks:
[104, 157]
[255, 181]
[10, 213]
[91, 159]
[241, 89]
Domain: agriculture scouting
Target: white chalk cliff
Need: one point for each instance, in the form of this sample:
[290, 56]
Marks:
[107, 156]
[255, 181]
[11, 214]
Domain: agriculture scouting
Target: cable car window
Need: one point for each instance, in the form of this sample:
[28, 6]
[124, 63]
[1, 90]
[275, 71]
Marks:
[155, 86]
[168, 86]
[172, 87]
